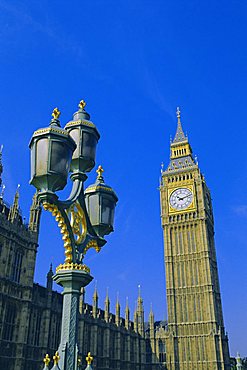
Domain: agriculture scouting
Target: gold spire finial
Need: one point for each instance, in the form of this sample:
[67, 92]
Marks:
[178, 112]
[56, 358]
[82, 104]
[56, 113]
[89, 358]
[100, 171]
[47, 360]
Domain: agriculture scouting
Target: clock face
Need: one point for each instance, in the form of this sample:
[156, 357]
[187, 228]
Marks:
[181, 198]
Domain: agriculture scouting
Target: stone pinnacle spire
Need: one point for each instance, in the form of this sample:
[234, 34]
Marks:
[151, 322]
[17, 196]
[117, 311]
[49, 279]
[14, 209]
[135, 320]
[180, 136]
[151, 314]
[95, 301]
[140, 312]
[127, 314]
[107, 306]
[95, 294]
[139, 300]
[34, 215]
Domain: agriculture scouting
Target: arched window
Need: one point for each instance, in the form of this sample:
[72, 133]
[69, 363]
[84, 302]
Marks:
[16, 266]
[9, 321]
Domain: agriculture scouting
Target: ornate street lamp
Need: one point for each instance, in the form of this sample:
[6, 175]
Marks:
[84, 218]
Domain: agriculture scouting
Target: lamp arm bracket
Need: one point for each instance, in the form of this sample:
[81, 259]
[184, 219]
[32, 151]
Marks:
[73, 220]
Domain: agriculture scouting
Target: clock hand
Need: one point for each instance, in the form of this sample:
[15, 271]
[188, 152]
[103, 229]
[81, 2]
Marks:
[179, 198]
[185, 196]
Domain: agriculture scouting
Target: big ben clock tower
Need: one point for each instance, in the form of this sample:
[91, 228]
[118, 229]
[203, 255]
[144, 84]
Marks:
[196, 336]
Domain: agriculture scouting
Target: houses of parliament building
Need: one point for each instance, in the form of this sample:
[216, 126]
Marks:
[193, 338]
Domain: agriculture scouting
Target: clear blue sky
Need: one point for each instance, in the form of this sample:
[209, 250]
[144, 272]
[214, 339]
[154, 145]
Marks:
[134, 62]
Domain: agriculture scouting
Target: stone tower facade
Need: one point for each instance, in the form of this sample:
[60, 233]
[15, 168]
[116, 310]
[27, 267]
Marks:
[18, 248]
[196, 336]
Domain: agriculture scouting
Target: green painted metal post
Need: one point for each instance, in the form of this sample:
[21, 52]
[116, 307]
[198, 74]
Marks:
[72, 282]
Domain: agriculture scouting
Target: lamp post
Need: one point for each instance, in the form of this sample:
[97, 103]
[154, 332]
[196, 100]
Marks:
[84, 218]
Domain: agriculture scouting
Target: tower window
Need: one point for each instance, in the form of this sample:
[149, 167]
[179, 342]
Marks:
[9, 322]
[37, 329]
[16, 267]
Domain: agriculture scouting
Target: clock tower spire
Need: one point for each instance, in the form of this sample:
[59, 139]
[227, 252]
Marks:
[181, 152]
[196, 335]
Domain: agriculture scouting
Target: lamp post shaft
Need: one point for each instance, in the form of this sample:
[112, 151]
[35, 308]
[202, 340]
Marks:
[72, 282]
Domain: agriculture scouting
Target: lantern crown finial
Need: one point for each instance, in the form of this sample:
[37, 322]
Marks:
[55, 120]
[56, 358]
[82, 104]
[47, 360]
[56, 113]
[81, 114]
[89, 358]
[100, 172]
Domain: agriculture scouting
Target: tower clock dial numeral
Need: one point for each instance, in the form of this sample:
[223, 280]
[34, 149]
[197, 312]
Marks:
[181, 198]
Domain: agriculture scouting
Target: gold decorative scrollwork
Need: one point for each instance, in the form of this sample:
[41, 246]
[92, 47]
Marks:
[64, 230]
[79, 227]
[78, 222]
[91, 244]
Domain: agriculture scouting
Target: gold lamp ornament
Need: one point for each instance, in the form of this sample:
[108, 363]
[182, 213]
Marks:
[47, 360]
[82, 104]
[89, 358]
[56, 358]
[56, 113]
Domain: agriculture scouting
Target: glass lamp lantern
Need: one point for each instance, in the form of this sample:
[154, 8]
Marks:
[101, 201]
[86, 136]
[51, 153]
